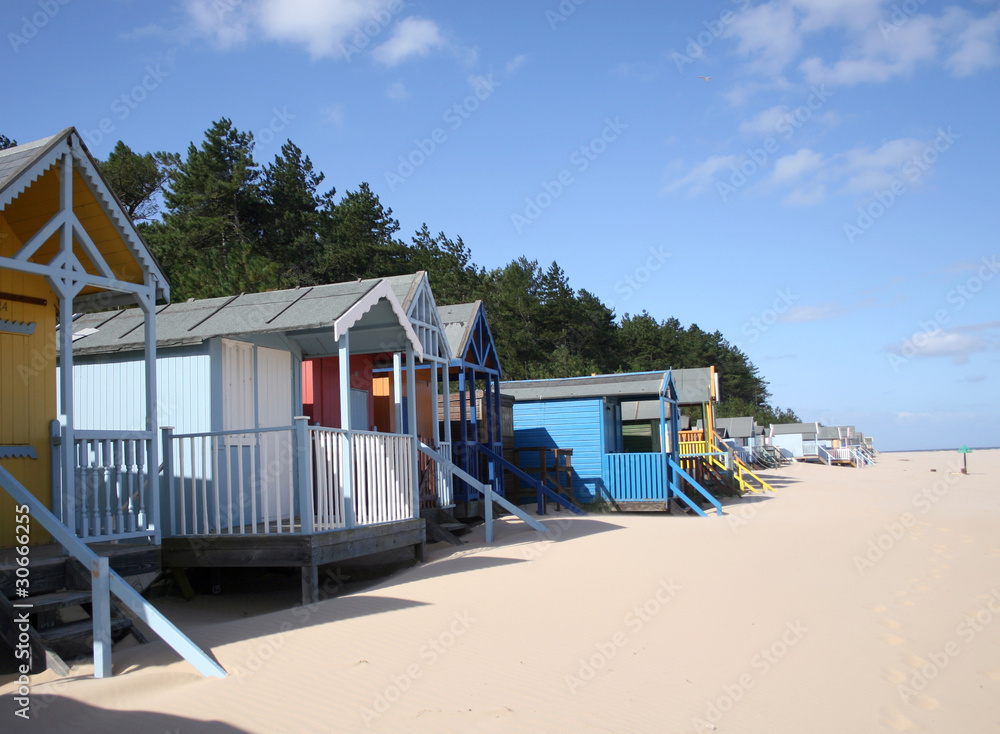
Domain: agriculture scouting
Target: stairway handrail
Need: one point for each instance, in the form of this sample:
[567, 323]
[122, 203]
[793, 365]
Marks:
[484, 489]
[691, 480]
[524, 476]
[104, 578]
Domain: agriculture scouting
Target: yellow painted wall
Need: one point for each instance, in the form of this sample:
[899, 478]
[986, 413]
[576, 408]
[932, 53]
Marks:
[27, 386]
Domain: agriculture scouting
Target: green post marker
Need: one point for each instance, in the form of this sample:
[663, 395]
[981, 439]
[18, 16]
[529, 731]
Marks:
[965, 451]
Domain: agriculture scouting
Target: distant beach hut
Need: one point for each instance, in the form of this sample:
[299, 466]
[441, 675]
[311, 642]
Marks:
[570, 430]
[795, 440]
[478, 418]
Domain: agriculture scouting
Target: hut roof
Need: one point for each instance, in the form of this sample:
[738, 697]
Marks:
[314, 317]
[694, 386]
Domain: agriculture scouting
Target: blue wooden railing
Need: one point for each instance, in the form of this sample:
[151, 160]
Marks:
[540, 488]
[635, 477]
[486, 490]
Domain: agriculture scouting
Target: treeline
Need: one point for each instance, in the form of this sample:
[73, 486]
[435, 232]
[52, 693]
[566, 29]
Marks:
[230, 224]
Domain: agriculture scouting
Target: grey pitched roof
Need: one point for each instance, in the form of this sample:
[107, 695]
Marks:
[806, 429]
[742, 427]
[458, 321]
[13, 161]
[694, 386]
[307, 314]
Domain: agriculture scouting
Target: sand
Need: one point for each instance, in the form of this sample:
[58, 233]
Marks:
[852, 600]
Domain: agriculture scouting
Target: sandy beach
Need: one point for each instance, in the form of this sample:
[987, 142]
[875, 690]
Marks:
[851, 600]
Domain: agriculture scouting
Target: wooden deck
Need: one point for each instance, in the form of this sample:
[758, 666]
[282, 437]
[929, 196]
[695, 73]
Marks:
[307, 552]
[295, 550]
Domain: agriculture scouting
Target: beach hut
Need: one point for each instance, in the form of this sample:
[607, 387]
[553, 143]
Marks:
[67, 245]
[382, 397]
[571, 431]
[477, 416]
[795, 440]
[248, 482]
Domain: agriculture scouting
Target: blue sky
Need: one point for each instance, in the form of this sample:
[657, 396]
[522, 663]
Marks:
[827, 199]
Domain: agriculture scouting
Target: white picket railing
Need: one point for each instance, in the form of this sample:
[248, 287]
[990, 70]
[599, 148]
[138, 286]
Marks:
[326, 446]
[383, 477]
[112, 498]
[233, 482]
[267, 480]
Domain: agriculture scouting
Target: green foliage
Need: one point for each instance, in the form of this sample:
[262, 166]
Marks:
[138, 179]
[6, 142]
[230, 226]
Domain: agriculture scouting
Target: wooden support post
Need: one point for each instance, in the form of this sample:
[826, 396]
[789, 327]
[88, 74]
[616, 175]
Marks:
[397, 392]
[463, 431]
[488, 512]
[411, 419]
[303, 473]
[168, 513]
[310, 584]
[344, 351]
[446, 400]
[151, 493]
[100, 582]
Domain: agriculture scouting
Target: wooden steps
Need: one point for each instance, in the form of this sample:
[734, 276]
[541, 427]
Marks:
[59, 615]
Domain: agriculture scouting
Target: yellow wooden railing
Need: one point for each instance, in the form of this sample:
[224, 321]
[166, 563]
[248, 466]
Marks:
[691, 448]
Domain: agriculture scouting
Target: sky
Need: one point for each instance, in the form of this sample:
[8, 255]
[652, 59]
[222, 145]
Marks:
[815, 179]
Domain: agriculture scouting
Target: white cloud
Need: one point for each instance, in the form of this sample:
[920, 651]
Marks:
[325, 28]
[411, 37]
[764, 123]
[226, 26]
[397, 90]
[516, 62]
[334, 114]
[810, 312]
[791, 168]
[869, 41]
[700, 178]
[868, 170]
[977, 46]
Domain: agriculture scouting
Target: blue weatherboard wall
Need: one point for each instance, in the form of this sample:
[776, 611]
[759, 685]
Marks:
[565, 424]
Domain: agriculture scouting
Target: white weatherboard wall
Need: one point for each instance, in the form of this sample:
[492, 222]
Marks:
[790, 444]
[111, 396]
